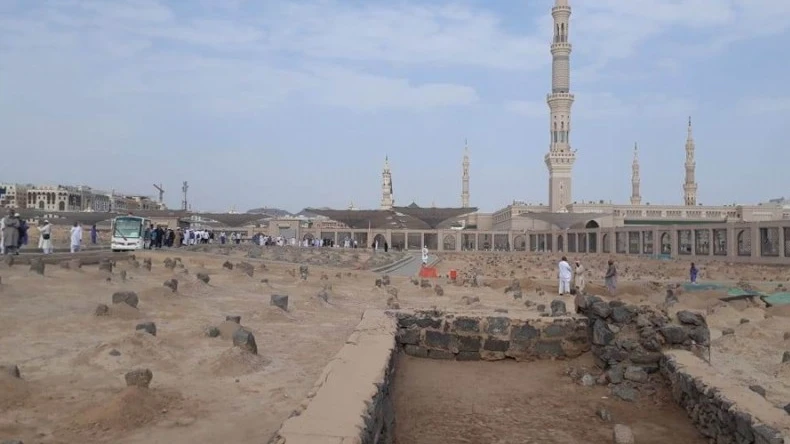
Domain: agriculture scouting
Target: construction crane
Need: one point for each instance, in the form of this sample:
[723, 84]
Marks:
[161, 192]
[184, 189]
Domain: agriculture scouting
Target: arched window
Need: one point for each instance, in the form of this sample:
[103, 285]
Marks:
[61, 206]
[563, 37]
[41, 205]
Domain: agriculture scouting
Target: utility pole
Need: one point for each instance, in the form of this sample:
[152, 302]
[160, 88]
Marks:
[161, 193]
[184, 190]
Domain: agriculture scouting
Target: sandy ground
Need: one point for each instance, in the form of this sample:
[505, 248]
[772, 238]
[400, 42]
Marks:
[205, 390]
[444, 402]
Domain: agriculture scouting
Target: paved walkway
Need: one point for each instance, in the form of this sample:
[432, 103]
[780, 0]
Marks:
[412, 267]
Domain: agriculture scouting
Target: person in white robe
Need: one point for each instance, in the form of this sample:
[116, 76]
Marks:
[76, 237]
[424, 256]
[565, 274]
[45, 237]
[579, 280]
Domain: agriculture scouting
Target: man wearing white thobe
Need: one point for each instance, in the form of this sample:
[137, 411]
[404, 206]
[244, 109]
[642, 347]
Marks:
[76, 237]
[424, 256]
[566, 272]
[45, 237]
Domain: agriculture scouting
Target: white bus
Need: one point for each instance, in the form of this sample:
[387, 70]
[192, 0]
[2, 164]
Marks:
[127, 233]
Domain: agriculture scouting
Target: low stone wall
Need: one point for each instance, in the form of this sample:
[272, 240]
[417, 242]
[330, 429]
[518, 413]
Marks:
[350, 403]
[88, 257]
[721, 411]
[469, 336]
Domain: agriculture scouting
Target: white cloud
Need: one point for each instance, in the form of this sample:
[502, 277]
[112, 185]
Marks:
[452, 34]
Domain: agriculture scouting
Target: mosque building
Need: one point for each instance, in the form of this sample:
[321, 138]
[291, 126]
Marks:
[561, 210]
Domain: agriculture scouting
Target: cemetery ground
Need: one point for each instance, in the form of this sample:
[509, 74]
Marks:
[203, 347]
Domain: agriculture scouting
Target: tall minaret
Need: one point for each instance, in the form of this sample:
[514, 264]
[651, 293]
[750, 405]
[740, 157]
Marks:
[690, 186]
[387, 198]
[465, 178]
[636, 198]
[560, 157]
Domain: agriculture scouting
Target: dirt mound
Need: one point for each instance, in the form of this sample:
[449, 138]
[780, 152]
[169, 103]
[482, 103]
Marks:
[779, 310]
[156, 293]
[236, 362]
[13, 392]
[135, 348]
[124, 311]
[274, 314]
[131, 408]
[227, 328]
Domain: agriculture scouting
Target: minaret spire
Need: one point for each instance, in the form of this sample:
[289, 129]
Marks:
[387, 198]
[690, 184]
[561, 157]
[465, 177]
[636, 198]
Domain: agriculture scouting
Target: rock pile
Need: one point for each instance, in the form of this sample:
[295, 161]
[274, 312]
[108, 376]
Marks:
[627, 340]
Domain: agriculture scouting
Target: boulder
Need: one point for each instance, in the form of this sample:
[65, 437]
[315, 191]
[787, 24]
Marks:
[203, 277]
[558, 308]
[139, 378]
[691, 318]
[280, 301]
[236, 319]
[127, 297]
[245, 340]
[622, 434]
[148, 327]
[102, 310]
[172, 284]
[11, 370]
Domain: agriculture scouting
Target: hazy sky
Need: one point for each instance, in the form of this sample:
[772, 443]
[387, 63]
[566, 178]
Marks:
[295, 103]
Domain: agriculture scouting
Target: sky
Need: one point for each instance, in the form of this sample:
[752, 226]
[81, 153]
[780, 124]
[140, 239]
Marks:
[293, 104]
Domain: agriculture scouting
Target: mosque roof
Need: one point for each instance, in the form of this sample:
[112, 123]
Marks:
[433, 216]
[358, 219]
[411, 217]
[564, 221]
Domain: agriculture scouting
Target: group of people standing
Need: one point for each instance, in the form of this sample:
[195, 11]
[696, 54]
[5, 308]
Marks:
[14, 234]
[577, 274]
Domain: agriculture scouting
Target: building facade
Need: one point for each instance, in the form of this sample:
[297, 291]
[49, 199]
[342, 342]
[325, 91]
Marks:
[13, 195]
